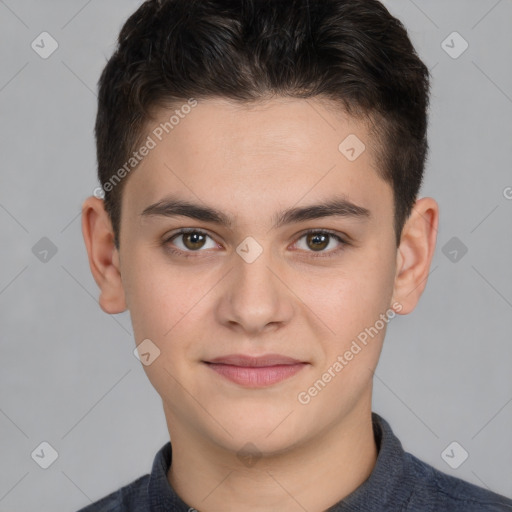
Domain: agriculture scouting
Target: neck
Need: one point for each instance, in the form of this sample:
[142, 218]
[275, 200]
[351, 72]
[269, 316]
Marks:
[313, 475]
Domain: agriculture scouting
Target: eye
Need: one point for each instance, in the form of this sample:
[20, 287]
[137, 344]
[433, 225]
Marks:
[318, 240]
[191, 240]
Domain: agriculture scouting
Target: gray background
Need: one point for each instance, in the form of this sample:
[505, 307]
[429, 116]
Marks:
[68, 374]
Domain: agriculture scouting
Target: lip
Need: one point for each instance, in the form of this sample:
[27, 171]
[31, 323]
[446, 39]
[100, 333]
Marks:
[255, 372]
[255, 361]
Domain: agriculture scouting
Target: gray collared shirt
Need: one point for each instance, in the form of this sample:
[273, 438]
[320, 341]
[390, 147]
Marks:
[399, 482]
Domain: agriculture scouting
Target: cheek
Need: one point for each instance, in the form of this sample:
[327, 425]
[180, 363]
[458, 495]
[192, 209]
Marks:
[152, 294]
[372, 285]
[167, 305]
[159, 299]
[351, 305]
[353, 297]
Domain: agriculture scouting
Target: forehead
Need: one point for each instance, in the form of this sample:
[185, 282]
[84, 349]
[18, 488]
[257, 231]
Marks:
[289, 125]
[252, 156]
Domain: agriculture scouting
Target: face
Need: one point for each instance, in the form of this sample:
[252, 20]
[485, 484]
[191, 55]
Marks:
[264, 273]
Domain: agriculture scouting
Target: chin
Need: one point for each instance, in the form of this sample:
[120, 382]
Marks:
[270, 436]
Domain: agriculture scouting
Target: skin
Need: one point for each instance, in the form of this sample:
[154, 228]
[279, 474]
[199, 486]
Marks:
[252, 162]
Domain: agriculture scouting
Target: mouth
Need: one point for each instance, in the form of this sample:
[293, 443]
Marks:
[255, 372]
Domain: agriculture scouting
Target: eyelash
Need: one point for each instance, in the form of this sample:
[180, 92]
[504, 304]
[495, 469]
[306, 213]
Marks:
[320, 254]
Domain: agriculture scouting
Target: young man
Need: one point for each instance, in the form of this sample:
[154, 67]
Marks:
[261, 163]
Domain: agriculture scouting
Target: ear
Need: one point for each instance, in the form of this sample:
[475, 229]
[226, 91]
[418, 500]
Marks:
[103, 255]
[414, 255]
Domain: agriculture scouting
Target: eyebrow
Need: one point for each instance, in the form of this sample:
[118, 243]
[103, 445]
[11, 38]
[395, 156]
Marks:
[334, 207]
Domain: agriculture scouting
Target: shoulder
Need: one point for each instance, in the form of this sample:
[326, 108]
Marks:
[131, 497]
[435, 490]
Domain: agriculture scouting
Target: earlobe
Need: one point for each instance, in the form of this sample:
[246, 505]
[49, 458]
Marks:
[415, 253]
[103, 255]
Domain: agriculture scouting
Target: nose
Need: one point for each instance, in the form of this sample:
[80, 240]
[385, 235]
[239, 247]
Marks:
[255, 297]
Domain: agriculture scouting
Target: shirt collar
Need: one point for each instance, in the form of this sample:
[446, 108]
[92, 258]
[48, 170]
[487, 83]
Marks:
[384, 487]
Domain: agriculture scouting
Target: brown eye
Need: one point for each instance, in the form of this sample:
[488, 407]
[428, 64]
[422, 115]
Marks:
[322, 242]
[194, 240]
[190, 240]
[317, 241]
